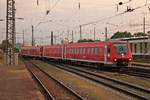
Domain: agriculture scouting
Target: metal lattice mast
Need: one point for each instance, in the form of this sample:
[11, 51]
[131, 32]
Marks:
[10, 32]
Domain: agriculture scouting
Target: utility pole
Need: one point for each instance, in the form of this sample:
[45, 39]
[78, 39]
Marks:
[94, 31]
[106, 33]
[72, 37]
[55, 39]
[52, 37]
[23, 38]
[144, 33]
[10, 33]
[80, 32]
[144, 24]
[32, 35]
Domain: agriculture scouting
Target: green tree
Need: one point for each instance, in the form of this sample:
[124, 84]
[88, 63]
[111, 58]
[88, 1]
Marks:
[3, 46]
[121, 35]
[138, 34]
[87, 40]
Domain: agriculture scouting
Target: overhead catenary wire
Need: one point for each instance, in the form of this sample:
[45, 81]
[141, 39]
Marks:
[110, 17]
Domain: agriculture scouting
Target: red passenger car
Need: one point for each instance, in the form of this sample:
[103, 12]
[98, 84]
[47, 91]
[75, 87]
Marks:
[116, 53]
[34, 51]
[112, 53]
[54, 51]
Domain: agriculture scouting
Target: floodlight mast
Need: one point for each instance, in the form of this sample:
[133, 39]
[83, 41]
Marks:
[10, 33]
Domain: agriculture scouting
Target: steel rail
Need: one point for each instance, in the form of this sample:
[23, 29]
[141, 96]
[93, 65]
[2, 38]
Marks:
[121, 86]
[41, 84]
[60, 83]
[135, 71]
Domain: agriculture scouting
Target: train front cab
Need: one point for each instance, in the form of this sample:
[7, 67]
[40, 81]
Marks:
[118, 53]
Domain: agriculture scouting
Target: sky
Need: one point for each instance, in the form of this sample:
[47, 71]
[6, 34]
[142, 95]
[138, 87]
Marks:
[66, 17]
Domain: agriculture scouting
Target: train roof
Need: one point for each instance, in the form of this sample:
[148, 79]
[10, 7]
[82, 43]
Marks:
[30, 47]
[94, 43]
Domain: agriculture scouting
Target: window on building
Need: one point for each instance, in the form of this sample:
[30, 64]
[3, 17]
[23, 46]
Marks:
[140, 47]
[135, 48]
[145, 47]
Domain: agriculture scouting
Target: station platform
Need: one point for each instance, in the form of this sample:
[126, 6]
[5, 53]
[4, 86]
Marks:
[17, 84]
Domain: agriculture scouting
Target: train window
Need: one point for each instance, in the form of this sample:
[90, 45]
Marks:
[84, 50]
[75, 51]
[68, 50]
[92, 50]
[96, 51]
[80, 50]
[88, 51]
[71, 50]
[121, 49]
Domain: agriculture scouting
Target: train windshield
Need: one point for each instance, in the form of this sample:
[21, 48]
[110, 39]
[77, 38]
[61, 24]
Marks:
[121, 49]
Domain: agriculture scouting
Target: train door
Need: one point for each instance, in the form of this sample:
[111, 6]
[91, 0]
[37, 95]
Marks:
[65, 51]
[41, 51]
[107, 53]
[62, 52]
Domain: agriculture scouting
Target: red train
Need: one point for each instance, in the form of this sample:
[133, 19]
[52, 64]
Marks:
[112, 53]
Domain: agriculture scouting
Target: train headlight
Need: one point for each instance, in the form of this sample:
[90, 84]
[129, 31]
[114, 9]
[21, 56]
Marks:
[115, 59]
[130, 59]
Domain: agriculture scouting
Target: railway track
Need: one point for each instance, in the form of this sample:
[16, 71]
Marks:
[54, 88]
[132, 71]
[135, 71]
[121, 86]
